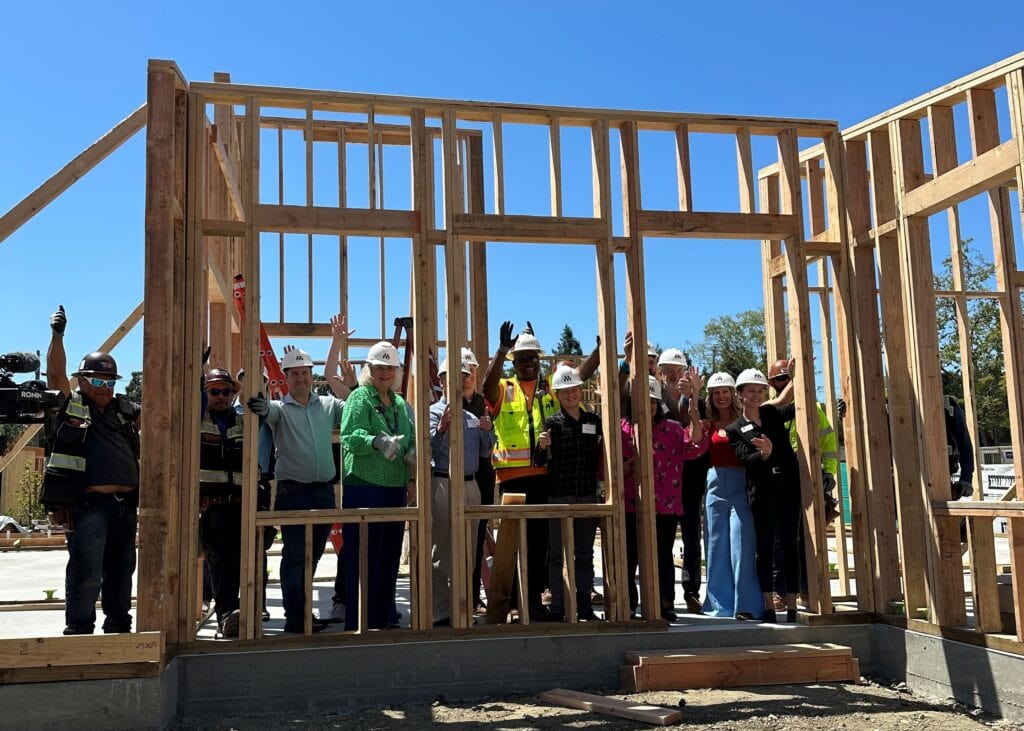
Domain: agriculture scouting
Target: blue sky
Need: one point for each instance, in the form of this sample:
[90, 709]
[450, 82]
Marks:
[73, 73]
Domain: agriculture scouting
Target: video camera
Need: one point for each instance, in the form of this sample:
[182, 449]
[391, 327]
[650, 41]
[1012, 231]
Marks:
[28, 402]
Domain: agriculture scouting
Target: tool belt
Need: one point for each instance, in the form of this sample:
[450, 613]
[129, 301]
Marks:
[209, 502]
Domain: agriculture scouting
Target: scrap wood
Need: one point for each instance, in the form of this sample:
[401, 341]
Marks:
[657, 715]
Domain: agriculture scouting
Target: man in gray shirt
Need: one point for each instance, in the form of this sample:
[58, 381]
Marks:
[302, 423]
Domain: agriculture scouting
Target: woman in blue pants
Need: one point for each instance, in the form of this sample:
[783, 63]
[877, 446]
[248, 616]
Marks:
[732, 585]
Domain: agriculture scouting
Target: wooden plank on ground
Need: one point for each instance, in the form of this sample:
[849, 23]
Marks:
[612, 707]
[39, 652]
[503, 570]
[735, 667]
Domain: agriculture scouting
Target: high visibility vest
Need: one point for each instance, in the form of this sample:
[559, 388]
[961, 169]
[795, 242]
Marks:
[65, 474]
[220, 459]
[516, 428]
[828, 443]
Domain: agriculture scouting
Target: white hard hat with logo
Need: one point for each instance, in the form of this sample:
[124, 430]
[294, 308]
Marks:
[751, 376]
[383, 354]
[672, 356]
[444, 367]
[526, 341]
[654, 387]
[296, 359]
[565, 377]
[651, 350]
[721, 380]
[468, 359]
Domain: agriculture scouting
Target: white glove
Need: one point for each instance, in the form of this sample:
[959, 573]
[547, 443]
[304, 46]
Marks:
[388, 445]
[410, 457]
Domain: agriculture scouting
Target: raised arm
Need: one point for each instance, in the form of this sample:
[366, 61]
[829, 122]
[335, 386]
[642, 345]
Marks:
[785, 396]
[492, 379]
[591, 362]
[56, 358]
[341, 385]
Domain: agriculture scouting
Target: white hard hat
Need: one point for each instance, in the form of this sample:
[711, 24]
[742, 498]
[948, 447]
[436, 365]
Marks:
[654, 387]
[468, 359]
[383, 354]
[296, 359]
[444, 367]
[565, 377]
[651, 350]
[672, 356]
[721, 380]
[526, 341]
[751, 376]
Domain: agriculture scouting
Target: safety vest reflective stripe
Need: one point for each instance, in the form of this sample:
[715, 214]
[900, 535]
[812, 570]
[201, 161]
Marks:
[512, 424]
[217, 476]
[825, 431]
[66, 462]
[235, 432]
[76, 408]
[208, 427]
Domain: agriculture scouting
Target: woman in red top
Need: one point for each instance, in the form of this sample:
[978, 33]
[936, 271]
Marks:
[732, 586]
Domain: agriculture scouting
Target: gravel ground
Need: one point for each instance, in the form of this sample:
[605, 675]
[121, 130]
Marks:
[864, 707]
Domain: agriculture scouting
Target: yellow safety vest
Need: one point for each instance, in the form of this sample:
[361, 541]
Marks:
[827, 442]
[517, 428]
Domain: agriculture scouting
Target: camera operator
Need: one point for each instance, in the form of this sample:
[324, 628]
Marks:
[91, 485]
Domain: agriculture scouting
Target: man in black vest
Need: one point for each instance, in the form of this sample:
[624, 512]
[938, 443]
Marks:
[91, 485]
[220, 495]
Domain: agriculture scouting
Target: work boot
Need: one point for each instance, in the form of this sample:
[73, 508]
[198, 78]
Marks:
[596, 598]
[587, 615]
[295, 627]
[337, 614]
[693, 604]
[229, 625]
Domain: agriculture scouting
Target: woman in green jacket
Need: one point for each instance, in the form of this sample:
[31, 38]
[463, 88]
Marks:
[378, 442]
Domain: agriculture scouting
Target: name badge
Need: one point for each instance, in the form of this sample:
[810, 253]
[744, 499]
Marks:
[590, 428]
[471, 421]
[747, 427]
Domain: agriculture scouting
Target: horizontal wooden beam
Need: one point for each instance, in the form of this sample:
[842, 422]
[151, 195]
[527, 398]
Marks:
[706, 225]
[350, 515]
[48, 652]
[621, 244]
[582, 510]
[987, 171]
[341, 101]
[822, 248]
[528, 229]
[326, 130]
[301, 330]
[72, 172]
[336, 221]
[980, 508]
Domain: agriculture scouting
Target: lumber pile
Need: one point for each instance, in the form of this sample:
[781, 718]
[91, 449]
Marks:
[718, 667]
[658, 715]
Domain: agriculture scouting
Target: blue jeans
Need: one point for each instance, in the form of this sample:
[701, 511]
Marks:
[292, 495]
[383, 554]
[101, 555]
[732, 585]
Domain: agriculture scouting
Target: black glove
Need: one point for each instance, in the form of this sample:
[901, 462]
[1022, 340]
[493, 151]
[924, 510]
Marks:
[841, 408]
[962, 489]
[259, 405]
[206, 354]
[505, 335]
[58, 321]
[828, 481]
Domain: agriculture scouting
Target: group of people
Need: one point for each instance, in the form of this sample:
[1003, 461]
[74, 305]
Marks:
[726, 460]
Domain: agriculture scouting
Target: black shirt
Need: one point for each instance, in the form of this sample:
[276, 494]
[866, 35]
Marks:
[110, 460]
[575, 454]
[773, 425]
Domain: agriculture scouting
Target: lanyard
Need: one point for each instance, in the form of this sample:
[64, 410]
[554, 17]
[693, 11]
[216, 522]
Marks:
[385, 412]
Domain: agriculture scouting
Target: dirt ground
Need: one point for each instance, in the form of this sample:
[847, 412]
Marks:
[864, 707]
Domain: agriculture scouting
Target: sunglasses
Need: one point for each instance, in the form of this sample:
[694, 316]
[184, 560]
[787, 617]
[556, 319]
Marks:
[219, 391]
[779, 378]
[526, 358]
[100, 382]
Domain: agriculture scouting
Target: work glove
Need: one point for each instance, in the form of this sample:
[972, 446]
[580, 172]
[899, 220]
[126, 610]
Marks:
[58, 321]
[259, 405]
[388, 445]
[505, 335]
[962, 489]
[841, 408]
[828, 481]
[410, 457]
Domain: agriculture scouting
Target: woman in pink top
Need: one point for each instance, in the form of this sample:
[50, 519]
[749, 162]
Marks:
[673, 444]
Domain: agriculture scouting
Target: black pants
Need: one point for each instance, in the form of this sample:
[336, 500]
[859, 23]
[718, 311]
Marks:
[536, 489]
[485, 481]
[776, 508]
[220, 535]
[631, 562]
[665, 534]
[695, 475]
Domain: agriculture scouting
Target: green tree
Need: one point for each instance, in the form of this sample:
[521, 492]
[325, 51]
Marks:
[26, 504]
[731, 343]
[134, 388]
[983, 318]
[9, 434]
[568, 345]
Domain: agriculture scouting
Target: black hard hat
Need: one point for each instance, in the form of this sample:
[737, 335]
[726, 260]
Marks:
[217, 375]
[98, 363]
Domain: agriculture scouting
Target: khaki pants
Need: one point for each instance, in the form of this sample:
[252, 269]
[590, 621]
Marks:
[441, 534]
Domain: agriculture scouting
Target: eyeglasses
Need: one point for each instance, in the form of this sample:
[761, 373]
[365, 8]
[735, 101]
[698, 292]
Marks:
[219, 391]
[100, 382]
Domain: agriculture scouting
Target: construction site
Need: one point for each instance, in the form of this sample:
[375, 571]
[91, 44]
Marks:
[845, 217]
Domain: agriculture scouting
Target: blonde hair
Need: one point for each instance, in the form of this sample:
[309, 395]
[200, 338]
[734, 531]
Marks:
[365, 378]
